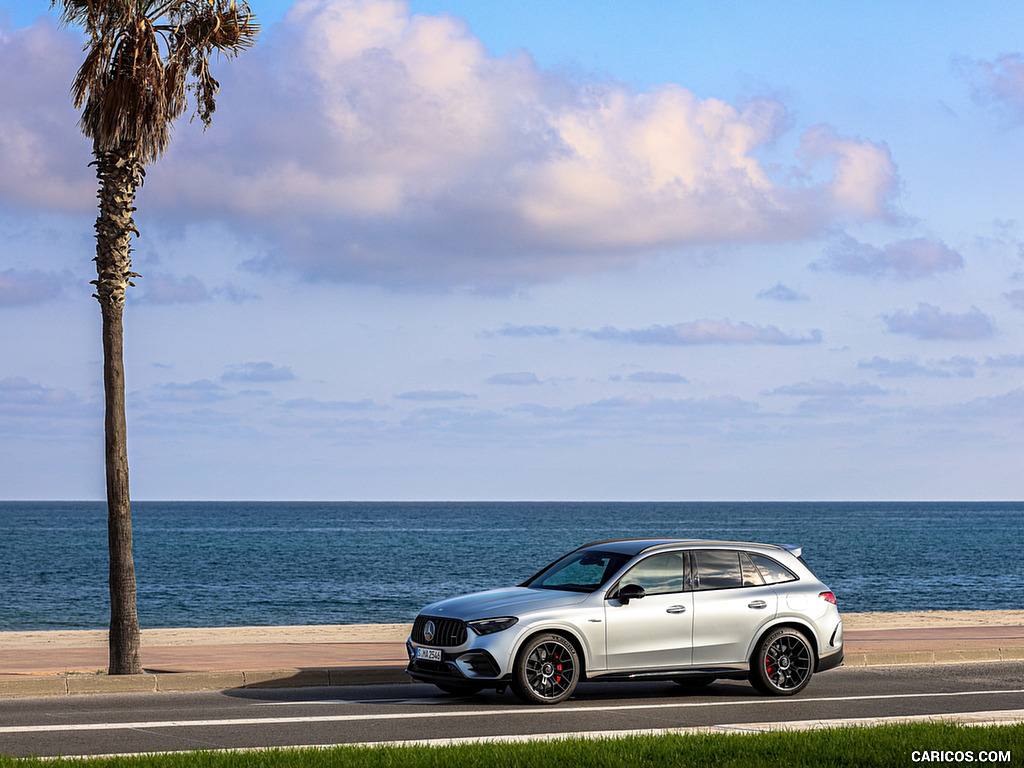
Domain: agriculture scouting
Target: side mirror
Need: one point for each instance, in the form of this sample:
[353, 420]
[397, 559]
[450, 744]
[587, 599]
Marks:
[630, 592]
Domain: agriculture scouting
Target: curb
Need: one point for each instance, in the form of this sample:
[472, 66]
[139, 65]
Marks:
[74, 685]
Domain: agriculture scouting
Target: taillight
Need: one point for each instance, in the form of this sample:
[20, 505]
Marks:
[828, 597]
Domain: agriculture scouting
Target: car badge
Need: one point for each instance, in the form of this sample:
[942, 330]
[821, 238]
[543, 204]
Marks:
[428, 632]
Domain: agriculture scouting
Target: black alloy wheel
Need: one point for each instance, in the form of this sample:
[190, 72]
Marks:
[783, 663]
[546, 671]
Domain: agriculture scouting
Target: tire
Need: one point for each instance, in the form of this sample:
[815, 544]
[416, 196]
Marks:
[694, 681]
[459, 689]
[783, 663]
[546, 671]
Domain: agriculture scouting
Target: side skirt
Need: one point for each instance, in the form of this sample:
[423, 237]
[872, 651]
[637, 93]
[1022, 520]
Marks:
[729, 671]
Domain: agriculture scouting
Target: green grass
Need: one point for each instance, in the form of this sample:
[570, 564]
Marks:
[885, 745]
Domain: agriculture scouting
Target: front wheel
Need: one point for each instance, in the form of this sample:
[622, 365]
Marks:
[546, 671]
[783, 663]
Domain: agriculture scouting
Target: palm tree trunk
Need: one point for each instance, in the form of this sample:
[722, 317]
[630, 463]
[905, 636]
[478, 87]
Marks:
[119, 174]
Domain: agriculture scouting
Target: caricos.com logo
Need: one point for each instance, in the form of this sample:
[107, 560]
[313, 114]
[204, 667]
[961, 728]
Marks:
[960, 756]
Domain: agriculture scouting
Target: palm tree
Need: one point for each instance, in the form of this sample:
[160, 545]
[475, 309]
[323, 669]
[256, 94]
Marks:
[143, 58]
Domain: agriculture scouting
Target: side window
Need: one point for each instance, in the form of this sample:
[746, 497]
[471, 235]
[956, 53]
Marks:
[773, 572]
[751, 576]
[658, 574]
[717, 569]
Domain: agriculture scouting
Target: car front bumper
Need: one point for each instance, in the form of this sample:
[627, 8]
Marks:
[463, 665]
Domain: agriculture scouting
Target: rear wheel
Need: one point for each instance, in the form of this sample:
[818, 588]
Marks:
[783, 663]
[546, 671]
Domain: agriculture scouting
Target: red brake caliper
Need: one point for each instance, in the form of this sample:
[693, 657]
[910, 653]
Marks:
[558, 678]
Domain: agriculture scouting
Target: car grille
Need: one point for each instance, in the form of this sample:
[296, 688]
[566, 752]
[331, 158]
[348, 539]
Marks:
[447, 632]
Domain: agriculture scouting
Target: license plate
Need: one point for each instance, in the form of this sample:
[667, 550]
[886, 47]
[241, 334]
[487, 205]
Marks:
[428, 654]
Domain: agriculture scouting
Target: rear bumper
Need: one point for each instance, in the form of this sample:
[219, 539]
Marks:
[831, 661]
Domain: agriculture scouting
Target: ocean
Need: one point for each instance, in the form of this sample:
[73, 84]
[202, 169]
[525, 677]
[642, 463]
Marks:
[267, 563]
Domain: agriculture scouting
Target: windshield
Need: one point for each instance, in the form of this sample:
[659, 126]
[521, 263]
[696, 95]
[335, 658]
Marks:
[582, 571]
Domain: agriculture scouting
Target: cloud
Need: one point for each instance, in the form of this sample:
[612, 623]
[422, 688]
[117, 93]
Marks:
[1007, 406]
[43, 156]
[24, 287]
[164, 288]
[999, 82]
[257, 372]
[864, 176]
[907, 367]
[517, 379]
[654, 377]
[1016, 298]
[391, 147]
[829, 389]
[201, 391]
[17, 391]
[780, 292]
[310, 404]
[523, 331]
[1005, 361]
[434, 395]
[904, 259]
[704, 332]
[929, 323]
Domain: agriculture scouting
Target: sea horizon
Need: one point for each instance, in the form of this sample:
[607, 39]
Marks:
[244, 563]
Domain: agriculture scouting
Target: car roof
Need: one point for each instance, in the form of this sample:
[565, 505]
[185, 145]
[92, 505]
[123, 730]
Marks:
[636, 546]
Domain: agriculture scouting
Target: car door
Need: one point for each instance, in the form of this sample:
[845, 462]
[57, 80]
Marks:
[655, 630]
[730, 605]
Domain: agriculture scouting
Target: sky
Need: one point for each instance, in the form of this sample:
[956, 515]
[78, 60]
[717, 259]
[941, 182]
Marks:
[539, 251]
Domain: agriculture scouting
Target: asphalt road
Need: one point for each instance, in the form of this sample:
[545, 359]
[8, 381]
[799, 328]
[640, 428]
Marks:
[150, 722]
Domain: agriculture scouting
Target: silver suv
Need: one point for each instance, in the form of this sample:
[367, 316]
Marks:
[686, 610]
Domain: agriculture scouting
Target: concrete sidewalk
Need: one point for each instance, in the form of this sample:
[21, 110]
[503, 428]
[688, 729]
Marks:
[61, 663]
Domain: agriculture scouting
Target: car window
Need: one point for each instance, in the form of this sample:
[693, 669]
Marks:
[658, 574]
[717, 569]
[579, 571]
[773, 572]
[751, 576]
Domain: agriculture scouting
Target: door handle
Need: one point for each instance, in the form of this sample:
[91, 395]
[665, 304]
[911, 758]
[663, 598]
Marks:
[676, 609]
[757, 604]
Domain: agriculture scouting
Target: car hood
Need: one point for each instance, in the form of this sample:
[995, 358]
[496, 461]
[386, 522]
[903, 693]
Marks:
[512, 601]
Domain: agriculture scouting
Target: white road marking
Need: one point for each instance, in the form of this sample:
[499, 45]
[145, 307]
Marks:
[988, 718]
[546, 711]
[316, 702]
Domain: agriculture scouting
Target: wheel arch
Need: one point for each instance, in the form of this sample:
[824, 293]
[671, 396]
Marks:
[787, 623]
[563, 632]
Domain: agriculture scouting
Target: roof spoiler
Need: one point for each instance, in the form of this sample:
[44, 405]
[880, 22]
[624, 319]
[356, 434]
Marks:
[796, 550]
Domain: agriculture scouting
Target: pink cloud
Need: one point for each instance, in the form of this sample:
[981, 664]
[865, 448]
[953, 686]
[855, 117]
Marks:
[365, 143]
[1001, 81]
[43, 156]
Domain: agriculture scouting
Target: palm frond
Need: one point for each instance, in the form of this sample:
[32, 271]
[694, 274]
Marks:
[143, 58]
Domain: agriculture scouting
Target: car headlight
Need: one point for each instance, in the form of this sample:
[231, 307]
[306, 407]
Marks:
[490, 626]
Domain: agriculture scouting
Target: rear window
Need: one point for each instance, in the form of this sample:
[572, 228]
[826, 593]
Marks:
[772, 572]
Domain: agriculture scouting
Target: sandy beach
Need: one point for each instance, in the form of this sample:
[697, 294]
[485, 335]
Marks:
[376, 633]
